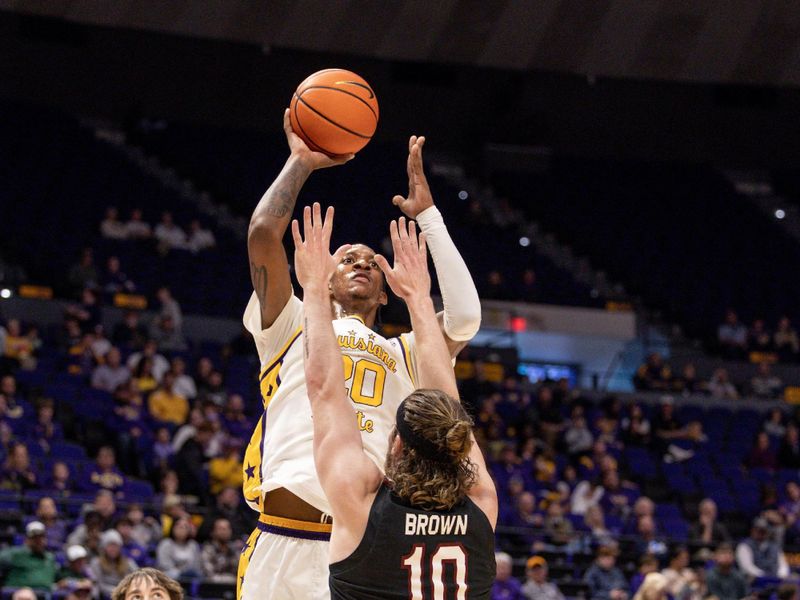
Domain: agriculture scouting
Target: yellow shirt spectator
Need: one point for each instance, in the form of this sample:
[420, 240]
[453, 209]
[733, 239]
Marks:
[165, 405]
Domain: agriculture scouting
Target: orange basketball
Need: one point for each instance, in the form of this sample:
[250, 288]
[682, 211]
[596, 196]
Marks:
[334, 111]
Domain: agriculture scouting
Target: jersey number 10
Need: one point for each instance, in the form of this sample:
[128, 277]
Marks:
[368, 379]
[444, 553]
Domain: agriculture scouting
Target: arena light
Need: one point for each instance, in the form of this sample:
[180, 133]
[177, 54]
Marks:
[524, 241]
[5, 293]
[463, 195]
[780, 213]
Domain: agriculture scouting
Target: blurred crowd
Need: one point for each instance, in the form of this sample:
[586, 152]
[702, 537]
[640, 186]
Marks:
[736, 340]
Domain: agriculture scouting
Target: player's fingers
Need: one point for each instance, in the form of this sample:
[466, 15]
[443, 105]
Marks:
[397, 200]
[306, 222]
[287, 122]
[412, 233]
[423, 245]
[298, 241]
[383, 264]
[394, 235]
[327, 224]
[411, 141]
[401, 228]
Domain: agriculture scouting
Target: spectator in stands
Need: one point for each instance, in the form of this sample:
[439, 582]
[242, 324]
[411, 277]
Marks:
[495, 288]
[732, 336]
[759, 339]
[577, 436]
[18, 348]
[688, 382]
[184, 384]
[605, 580]
[721, 387]
[648, 563]
[170, 307]
[536, 586]
[106, 507]
[787, 343]
[559, 529]
[789, 452]
[55, 527]
[130, 333]
[88, 533]
[150, 350]
[168, 234]
[236, 422]
[551, 420]
[190, 464]
[648, 540]
[668, 430]
[82, 589]
[636, 427]
[759, 555]
[761, 456]
[653, 587]
[115, 281]
[136, 228]
[143, 376]
[111, 227]
[764, 383]
[200, 238]
[220, 554]
[790, 510]
[14, 401]
[30, 565]
[145, 529]
[17, 474]
[111, 566]
[587, 493]
[594, 521]
[61, 481]
[87, 313]
[214, 389]
[130, 547]
[76, 567]
[774, 425]
[163, 452]
[165, 334]
[104, 474]
[179, 555]
[111, 374]
[229, 506]
[46, 430]
[653, 375]
[166, 405]
[681, 581]
[226, 470]
[83, 274]
[708, 530]
[505, 587]
[25, 593]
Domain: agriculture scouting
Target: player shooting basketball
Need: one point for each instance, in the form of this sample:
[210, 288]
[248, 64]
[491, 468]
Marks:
[286, 556]
[392, 539]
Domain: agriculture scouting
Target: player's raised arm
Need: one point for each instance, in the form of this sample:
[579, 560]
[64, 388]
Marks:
[269, 269]
[410, 280]
[346, 473]
[461, 318]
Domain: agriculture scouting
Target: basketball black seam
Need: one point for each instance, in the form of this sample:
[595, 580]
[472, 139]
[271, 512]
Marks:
[331, 121]
[308, 137]
[356, 96]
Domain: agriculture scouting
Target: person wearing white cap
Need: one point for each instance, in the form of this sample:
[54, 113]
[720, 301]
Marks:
[30, 565]
[110, 567]
[77, 566]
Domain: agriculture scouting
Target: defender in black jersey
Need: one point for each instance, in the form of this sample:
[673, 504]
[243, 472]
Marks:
[426, 531]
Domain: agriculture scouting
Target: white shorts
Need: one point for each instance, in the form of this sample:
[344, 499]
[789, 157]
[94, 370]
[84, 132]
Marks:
[284, 567]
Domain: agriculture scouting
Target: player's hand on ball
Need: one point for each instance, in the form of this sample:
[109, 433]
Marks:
[419, 193]
[409, 277]
[315, 160]
[313, 262]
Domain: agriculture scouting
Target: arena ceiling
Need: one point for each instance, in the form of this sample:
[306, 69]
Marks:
[724, 41]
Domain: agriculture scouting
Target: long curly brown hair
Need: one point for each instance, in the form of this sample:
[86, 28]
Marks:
[434, 484]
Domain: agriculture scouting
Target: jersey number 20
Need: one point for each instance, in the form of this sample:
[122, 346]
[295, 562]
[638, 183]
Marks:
[368, 379]
[444, 553]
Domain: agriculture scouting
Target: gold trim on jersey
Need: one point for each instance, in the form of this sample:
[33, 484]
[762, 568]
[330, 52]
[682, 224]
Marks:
[280, 354]
[407, 359]
[294, 524]
[359, 317]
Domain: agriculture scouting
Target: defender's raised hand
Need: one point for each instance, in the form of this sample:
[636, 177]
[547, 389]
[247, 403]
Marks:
[315, 160]
[409, 277]
[419, 193]
[313, 262]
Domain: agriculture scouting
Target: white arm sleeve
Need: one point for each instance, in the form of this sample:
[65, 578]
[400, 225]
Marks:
[462, 308]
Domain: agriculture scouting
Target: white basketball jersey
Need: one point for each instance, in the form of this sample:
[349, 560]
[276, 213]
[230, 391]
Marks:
[378, 372]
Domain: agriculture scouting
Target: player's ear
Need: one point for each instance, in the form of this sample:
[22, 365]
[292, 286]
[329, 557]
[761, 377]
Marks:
[383, 299]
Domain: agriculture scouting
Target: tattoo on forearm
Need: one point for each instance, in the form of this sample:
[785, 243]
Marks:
[258, 275]
[282, 196]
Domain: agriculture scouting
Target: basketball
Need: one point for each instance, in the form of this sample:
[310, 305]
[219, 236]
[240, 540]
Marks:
[334, 111]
